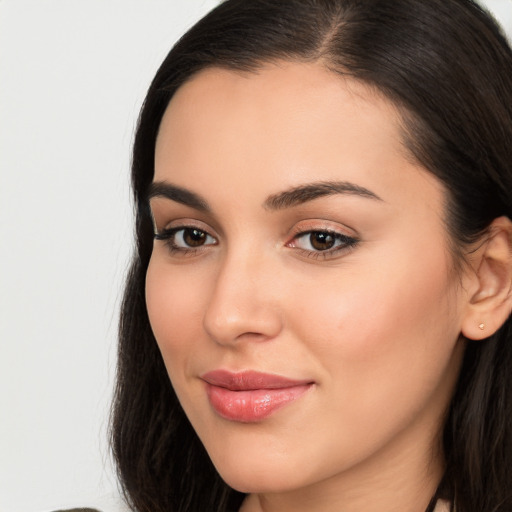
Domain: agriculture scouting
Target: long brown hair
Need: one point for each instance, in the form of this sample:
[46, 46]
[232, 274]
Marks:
[448, 68]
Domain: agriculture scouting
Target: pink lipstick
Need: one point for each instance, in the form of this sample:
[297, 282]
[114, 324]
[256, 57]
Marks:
[249, 396]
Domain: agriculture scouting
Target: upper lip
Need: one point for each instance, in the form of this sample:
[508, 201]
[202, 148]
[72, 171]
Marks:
[250, 380]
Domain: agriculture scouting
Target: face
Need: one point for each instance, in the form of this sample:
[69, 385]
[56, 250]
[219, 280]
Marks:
[301, 289]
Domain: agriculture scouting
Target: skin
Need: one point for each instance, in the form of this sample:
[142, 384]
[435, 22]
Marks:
[376, 326]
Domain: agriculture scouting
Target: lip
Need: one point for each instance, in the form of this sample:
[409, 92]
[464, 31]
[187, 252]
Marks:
[250, 396]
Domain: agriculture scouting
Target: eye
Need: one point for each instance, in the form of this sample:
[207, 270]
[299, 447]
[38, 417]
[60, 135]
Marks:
[192, 237]
[185, 238]
[322, 242]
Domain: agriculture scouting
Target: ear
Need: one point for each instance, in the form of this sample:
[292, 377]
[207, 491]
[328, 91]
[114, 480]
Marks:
[490, 287]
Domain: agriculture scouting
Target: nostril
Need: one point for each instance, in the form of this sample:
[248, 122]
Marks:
[249, 324]
[253, 336]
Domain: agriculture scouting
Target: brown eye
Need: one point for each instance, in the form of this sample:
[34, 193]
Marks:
[321, 240]
[194, 237]
[325, 243]
[183, 239]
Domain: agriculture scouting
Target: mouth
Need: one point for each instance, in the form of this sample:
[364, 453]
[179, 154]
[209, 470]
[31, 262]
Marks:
[249, 397]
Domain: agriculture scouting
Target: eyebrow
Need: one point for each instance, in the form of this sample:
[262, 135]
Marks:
[282, 200]
[308, 192]
[178, 194]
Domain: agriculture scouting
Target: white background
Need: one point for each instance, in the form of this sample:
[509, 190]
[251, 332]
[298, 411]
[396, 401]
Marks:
[72, 77]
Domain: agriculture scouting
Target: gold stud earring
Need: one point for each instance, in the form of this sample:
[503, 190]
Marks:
[481, 327]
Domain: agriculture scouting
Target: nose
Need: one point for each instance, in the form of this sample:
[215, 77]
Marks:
[244, 302]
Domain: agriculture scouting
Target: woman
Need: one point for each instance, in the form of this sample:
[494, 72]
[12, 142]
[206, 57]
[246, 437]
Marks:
[317, 316]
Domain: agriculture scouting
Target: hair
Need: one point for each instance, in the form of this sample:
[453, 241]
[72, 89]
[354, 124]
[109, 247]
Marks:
[447, 66]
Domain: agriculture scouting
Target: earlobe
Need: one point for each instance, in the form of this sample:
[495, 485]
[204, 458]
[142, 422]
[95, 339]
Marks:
[490, 304]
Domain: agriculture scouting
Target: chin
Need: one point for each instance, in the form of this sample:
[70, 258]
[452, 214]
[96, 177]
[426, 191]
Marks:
[263, 476]
[257, 483]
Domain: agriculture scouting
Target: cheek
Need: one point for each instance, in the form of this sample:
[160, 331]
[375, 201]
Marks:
[377, 305]
[388, 332]
[385, 345]
[175, 309]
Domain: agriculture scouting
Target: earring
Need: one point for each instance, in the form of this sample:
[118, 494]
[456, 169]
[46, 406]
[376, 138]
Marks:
[481, 327]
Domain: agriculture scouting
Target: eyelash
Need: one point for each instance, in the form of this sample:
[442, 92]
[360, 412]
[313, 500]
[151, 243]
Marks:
[168, 236]
[344, 242]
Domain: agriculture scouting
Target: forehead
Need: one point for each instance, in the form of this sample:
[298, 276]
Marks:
[280, 126]
[277, 97]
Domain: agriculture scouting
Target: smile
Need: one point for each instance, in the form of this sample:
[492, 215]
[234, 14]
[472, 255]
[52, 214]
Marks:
[249, 397]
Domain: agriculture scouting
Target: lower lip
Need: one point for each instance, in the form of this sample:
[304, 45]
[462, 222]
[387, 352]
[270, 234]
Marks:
[250, 406]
